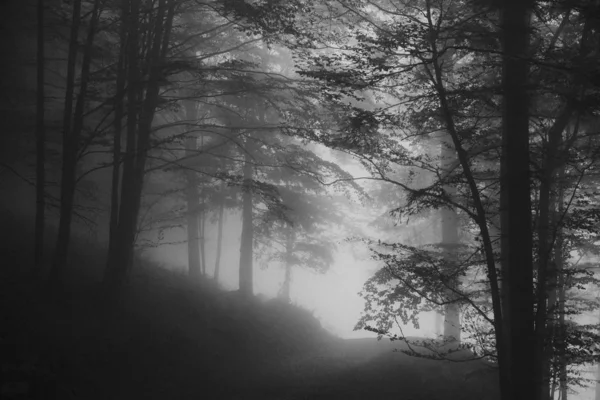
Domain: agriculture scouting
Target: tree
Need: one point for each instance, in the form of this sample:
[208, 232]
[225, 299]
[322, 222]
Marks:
[432, 69]
[299, 238]
[193, 200]
[60, 255]
[40, 194]
[221, 200]
[142, 100]
[517, 250]
[449, 222]
[247, 239]
[73, 125]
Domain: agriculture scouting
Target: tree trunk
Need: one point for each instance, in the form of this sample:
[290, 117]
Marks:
[118, 127]
[246, 245]
[202, 240]
[560, 327]
[597, 386]
[71, 136]
[40, 171]
[192, 199]
[439, 324]
[561, 346]
[130, 15]
[504, 351]
[138, 137]
[547, 214]
[286, 287]
[66, 207]
[515, 183]
[220, 219]
[482, 220]
[287, 284]
[193, 203]
[450, 240]
[202, 226]
[597, 395]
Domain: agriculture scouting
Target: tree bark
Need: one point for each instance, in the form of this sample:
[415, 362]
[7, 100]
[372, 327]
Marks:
[66, 207]
[597, 386]
[289, 264]
[552, 161]
[71, 136]
[480, 216]
[597, 394]
[40, 171]
[220, 219]
[561, 346]
[545, 269]
[118, 128]
[449, 218]
[193, 203]
[560, 328]
[130, 13]
[138, 136]
[202, 241]
[246, 245]
[192, 200]
[515, 183]
[202, 222]
[287, 284]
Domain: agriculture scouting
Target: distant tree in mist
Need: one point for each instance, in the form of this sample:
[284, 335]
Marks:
[305, 237]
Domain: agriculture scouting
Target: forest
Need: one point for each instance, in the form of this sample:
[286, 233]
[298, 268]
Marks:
[157, 156]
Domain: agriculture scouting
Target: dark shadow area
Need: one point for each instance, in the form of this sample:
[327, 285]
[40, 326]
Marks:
[176, 339]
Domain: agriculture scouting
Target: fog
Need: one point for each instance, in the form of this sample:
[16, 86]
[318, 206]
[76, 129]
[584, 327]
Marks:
[333, 296]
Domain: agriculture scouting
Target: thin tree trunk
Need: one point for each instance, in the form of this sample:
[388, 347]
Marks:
[597, 386]
[439, 324]
[194, 266]
[449, 218]
[69, 156]
[246, 245]
[561, 346]
[289, 264]
[560, 328]
[192, 200]
[287, 284]
[202, 223]
[40, 182]
[551, 162]
[504, 339]
[546, 214]
[203, 216]
[202, 240]
[220, 219]
[597, 395]
[118, 127]
[480, 210]
[131, 21]
[135, 160]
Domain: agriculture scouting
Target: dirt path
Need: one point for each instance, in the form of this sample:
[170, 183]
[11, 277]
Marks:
[368, 369]
[76, 353]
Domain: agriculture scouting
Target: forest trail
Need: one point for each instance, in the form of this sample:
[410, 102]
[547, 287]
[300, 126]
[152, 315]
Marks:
[370, 369]
[169, 345]
[149, 368]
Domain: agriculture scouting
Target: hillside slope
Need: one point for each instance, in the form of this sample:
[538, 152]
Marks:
[176, 340]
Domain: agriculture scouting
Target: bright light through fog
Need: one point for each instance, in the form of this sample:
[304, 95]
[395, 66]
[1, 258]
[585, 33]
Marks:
[333, 297]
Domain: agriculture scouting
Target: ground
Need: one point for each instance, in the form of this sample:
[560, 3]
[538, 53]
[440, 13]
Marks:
[176, 340]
